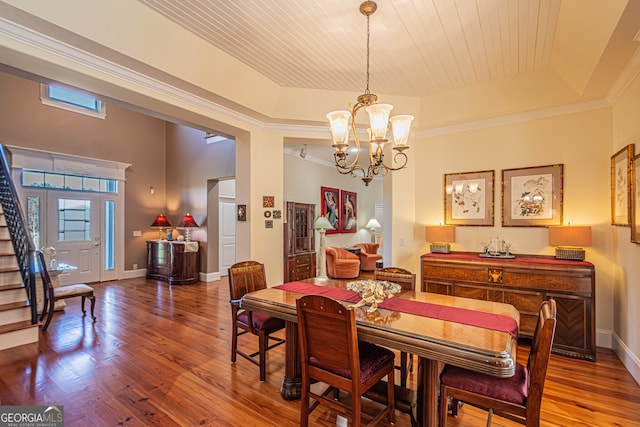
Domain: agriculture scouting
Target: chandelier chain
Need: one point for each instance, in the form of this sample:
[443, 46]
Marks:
[368, 37]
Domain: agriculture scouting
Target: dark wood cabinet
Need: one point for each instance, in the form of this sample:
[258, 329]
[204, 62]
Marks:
[524, 282]
[299, 242]
[173, 262]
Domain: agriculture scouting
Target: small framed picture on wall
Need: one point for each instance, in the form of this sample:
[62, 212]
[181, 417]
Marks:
[349, 211]
[330, 207]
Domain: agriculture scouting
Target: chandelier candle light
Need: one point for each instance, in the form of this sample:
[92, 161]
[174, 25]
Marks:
[343, 121]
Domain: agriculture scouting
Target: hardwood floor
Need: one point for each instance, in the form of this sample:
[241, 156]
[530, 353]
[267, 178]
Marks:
[160, 355]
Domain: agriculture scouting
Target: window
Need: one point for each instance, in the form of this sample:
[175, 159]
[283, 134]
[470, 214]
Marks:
[71, 100]
[33, 219]
[109, 233]
[74, 220]
[61, 181]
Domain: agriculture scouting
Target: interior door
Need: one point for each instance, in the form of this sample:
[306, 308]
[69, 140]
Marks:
[227, 239]
[73, 229]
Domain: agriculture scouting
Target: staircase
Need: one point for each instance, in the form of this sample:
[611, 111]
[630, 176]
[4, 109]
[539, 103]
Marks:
[18, 315]
[16, 328]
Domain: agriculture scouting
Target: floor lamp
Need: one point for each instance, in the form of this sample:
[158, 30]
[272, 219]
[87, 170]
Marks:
[322, 224]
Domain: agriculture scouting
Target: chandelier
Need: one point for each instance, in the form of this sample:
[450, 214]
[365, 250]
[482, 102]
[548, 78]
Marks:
[342, 122]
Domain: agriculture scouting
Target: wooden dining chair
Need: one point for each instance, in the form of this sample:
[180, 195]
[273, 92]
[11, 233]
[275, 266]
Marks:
[517, 398]
[244, 277]
[331, 353]
[407, 280]
[51, 294]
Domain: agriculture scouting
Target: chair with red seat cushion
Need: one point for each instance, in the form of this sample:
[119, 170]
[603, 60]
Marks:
[342, 264]
[244, 277]
[517, 398]
[368, 255]
[331, 353]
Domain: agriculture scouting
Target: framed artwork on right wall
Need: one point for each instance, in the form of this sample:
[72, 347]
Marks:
[635, 199]
[620, 185]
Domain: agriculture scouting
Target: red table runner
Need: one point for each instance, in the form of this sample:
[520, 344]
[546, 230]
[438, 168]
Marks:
[496, 322]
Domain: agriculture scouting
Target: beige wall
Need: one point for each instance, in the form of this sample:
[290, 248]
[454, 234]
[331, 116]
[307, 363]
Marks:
[625, 255]
[191, 163]
[123, 136]
[580, 141]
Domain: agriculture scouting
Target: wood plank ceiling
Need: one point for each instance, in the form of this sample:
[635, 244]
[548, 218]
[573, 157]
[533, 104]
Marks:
[418, 48]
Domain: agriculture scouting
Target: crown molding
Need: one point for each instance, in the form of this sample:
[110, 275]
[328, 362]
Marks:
[515, 118]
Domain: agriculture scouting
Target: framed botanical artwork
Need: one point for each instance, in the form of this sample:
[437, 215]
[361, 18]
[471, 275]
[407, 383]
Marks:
[532, 197]
[468, 198]
[330, 207]
[620, 185]
[635, 199]
[349, 211]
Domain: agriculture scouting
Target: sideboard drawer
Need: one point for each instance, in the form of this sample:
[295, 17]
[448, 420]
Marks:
[528, 302]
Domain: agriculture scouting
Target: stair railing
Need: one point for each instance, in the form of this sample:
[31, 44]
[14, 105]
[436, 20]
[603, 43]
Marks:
[23, 245]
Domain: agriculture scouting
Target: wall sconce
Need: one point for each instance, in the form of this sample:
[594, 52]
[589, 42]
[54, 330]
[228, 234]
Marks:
[187, 222]
[322, 224]
[440, 236]
[161, 223]
[372, 225]
[569, 241]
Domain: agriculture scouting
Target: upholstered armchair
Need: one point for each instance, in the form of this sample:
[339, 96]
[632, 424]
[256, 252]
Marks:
[368, 256]
[342, 264]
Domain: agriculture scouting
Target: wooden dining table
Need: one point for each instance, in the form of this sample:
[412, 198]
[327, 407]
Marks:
[437, 328]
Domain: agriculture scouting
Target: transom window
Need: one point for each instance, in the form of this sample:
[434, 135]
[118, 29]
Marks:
[61, 181]
[72, 100]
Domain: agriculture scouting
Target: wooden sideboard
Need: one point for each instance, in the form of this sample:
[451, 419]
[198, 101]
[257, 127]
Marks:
[524, 282]
[173, 262]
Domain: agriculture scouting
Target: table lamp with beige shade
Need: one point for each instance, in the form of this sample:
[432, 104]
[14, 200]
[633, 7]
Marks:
[569, 241]
[440, 236]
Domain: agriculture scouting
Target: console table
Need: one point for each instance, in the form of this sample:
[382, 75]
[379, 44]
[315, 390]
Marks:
[524, 282]
[173, 262]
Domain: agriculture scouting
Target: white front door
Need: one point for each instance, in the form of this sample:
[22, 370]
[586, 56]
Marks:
[227, 239]
[73, 229]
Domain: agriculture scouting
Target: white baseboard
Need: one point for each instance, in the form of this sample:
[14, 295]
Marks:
[132, 274]
[604, 338]
[210, 277]
[142, 272]
[629, 360]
